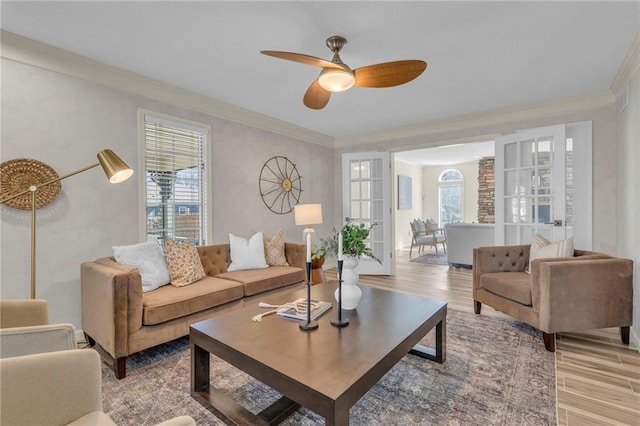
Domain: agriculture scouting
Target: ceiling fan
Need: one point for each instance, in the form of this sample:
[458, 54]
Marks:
[336, 76]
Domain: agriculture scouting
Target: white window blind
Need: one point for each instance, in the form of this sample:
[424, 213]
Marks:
[176, 184]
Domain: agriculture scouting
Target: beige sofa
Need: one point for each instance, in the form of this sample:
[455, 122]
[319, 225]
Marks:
[122, 320]
[584, 292]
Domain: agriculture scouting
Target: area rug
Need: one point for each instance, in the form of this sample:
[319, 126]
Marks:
[497, 372]
[432, 259]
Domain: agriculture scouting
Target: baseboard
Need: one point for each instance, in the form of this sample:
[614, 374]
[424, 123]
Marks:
[80, 336]
[634, 340]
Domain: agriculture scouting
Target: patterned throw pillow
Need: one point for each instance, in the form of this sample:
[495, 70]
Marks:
[542, 248]
[183, 262]
[274, 250]
[149, 260]
[246, 254]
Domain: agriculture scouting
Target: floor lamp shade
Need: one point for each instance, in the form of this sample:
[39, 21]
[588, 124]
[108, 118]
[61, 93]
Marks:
[116, 171]
[307, 215]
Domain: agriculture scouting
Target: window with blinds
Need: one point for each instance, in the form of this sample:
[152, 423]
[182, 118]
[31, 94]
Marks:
[176, 184]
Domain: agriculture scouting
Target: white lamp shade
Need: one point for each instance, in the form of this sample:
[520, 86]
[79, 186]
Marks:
[308, 214]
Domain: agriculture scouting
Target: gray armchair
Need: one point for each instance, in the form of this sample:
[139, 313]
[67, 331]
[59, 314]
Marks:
[427, 234]
[584, 292]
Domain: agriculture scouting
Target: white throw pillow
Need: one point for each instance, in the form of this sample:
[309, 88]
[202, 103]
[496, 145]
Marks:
[542, 248]
[149, 259]
[247, 254]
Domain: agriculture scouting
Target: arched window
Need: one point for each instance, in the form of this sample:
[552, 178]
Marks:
[450, 196]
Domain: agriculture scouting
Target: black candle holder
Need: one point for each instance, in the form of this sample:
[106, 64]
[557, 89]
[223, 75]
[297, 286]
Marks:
[309, 325]
[339, 322]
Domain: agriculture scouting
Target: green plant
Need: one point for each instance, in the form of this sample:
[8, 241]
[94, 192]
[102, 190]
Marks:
[318, 252]
[353, 241]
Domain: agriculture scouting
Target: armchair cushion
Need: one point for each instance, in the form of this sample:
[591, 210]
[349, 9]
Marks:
[541, 248]
[514, 286]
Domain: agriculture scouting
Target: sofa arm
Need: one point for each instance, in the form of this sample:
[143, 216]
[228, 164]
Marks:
[50, 388]
[111, 296]
[17, 341]
[585, 294]
[296, 254]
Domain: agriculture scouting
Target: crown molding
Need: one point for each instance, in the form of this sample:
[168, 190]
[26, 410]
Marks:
[27, 51]
[482, 119]
[628, 68]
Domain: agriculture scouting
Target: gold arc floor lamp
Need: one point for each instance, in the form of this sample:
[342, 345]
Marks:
[116, 170]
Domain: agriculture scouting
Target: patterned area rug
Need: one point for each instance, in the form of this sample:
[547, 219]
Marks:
[497, 372]
[431, 258]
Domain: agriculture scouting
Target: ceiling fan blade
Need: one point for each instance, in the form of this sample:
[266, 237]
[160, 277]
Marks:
[316, 97]
[389, 74]
[299, 57]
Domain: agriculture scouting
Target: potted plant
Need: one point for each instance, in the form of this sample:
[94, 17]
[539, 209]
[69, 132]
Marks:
[353, 248]
[353, 241]
[318, 255]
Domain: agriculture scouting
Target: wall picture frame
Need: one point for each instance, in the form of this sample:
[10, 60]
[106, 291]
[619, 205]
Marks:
[404, 192]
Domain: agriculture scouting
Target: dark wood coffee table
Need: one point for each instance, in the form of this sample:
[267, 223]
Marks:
[326, 370]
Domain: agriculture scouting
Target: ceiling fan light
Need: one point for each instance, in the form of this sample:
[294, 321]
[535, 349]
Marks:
[336, 80]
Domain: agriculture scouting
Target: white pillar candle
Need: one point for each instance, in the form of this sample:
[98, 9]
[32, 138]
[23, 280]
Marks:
[340, 246]
[308, 247]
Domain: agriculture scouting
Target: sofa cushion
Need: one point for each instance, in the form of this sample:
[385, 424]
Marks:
[183, 262]
[260, 280]
[247, 254]
[274, 249]
[149, 259]
[514, 286]
[169, 302]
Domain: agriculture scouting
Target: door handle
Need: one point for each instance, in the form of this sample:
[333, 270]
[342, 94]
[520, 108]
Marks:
[554, 223]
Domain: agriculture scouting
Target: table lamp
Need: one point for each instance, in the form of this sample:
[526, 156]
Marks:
[116, 170]
[307, 215]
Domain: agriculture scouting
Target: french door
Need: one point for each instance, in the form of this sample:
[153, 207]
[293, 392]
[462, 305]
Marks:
[366, 189]
[530, 185]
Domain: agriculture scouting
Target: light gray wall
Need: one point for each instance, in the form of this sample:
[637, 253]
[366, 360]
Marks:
[628, 229]
[64, 121]
[403, 234]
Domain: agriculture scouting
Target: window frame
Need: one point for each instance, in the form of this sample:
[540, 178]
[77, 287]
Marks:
[443, 183]
[142, 178]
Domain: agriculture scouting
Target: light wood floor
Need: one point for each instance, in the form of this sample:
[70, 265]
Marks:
[598, 378]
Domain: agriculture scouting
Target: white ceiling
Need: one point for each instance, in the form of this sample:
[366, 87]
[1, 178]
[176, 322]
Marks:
[447, 155]
[481, 55]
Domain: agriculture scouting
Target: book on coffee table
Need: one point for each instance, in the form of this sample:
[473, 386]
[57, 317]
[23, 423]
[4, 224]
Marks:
[318, 308]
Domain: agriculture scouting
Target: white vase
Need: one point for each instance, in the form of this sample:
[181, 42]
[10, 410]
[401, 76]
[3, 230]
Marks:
[351, 293]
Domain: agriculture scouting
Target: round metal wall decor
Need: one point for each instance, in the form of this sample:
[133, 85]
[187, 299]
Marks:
[280, 185]
[19, 174]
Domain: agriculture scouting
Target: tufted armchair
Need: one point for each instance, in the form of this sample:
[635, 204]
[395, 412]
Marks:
[584, 292]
